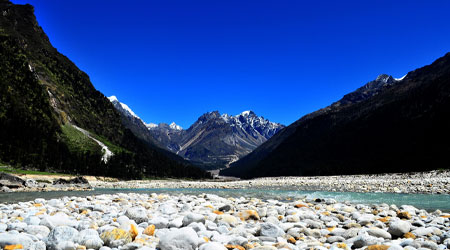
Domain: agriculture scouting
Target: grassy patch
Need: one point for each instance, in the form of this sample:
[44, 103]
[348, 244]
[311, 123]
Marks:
[114, 148]
[11, 170]
[77, 141]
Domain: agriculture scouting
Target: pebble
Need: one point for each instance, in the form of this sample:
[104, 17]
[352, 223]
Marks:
[399, 227]
[207, 222]
[179, 239]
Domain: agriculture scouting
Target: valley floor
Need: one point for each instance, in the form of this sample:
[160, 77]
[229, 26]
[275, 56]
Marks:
[437, 182]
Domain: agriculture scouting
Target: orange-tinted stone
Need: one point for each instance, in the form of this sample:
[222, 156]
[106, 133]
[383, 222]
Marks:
[377, 247]
[342, 245]
[300, 205]
[404, 215]
[12, 247]
[249, 214]
[150, 230]
[409, 235]
[384, 219]
[234, 246]
[133, 231]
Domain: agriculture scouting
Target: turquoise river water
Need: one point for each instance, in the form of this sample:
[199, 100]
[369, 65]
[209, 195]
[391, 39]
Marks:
[429, 202]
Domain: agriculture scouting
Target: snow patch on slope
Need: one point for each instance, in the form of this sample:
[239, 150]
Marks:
[401, 78]
[105, 150]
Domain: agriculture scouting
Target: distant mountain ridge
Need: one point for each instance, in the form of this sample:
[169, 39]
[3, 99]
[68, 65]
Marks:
[214, 140]
[388, 125]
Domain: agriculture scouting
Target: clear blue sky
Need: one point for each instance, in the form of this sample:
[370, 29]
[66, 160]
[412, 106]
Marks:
[173, 60]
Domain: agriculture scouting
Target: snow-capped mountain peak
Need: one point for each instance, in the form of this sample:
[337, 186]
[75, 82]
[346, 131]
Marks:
[151, 125]
[175, 126]
[113, 99]
[247, 113]
[123, 108]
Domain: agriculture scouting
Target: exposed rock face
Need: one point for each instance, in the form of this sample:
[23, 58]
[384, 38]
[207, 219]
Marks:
[11, 181]
[221, 139]
[216, 139]
[77, 181]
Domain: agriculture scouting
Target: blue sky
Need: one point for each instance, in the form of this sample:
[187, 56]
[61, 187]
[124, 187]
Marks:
[173, 60]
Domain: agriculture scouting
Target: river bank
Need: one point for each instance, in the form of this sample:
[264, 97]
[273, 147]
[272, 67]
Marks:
[433, 182]
[211, 222]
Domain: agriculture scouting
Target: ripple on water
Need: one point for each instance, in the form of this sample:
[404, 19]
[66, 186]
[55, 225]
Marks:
[423, 201]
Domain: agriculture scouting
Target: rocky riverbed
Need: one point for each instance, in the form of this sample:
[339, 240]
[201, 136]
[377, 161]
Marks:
[14, 183]
[209, 222]
[433, 182]
[436, 182]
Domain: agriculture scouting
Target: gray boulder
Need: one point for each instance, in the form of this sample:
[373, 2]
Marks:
[179, 239]
[11, 181]
[191, 217]
[90, 239]
[399, 227]
[271, 230]
[365, 240]
[168, 208]
[212, 246]
[15, 239]
[380, 233]
[39, 231]
[61, 237]
[138, 214]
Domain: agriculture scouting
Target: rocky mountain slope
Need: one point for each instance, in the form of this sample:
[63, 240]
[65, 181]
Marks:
[213, 141]
[216, 139]
[388, 125]
[52, 118]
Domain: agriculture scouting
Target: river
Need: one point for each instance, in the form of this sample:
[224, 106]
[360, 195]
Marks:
[429, 202]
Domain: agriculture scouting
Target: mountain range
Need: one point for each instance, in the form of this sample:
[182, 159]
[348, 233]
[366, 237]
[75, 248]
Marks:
[388, 125]
[213, 141]
[53, 119]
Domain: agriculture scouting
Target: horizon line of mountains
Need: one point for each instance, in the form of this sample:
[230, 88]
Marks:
[212, 142]
[53, 119]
